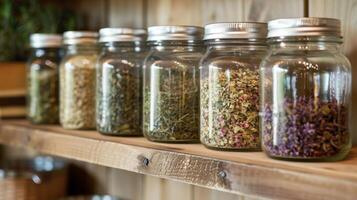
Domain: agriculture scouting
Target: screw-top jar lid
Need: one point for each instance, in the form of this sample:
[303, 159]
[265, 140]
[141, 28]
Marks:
[175, 33]
[122, 35]
[80, 37]
[304, 27]
[235, 30]
[43, 40]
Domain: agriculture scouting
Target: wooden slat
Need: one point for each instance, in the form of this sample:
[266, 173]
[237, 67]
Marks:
[126, 185]
[12, 111]
[93, 13]
[248, 173]
[346, 11]
[201, 193]
[201, 12]
[123, 13]
[12, 77]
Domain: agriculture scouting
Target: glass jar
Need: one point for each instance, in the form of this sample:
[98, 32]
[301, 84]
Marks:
[305, 91]
[42, 79]
[119, 81]
[171, 84]
[78, 80]
[230, 85]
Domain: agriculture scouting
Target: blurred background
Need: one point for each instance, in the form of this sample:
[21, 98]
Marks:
[20, 18]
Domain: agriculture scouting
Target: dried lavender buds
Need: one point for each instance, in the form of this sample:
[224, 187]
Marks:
[306, 128]
[43, 100]
[77, 92]
[119, 99]
[229, 109]
[171, 109]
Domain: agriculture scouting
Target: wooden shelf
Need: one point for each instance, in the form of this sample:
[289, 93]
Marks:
[247, 173]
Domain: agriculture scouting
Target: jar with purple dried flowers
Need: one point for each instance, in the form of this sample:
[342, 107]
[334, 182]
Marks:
[229, 92]
[305, 91]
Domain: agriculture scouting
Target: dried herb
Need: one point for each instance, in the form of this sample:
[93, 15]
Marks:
[229, 109]
[305, 128]
[119, 103]
[171, 103]
[77, 92]
[43, 100]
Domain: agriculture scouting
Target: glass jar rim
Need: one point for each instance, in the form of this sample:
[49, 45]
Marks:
[175, 43]
[237, 41]
[332, 39]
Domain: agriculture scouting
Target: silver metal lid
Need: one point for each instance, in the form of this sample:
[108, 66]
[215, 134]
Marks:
[42, 40]
[175, 33]
[80, 37]
[235, 30]
[304, 27]
[122, 35]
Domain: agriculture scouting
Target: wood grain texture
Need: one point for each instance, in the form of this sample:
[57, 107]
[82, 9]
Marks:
[124, 184]
[201, 193]
[123, 13]
[92, 12]
[12, 77]
[250, 173]
[201, 12]
[346, 11]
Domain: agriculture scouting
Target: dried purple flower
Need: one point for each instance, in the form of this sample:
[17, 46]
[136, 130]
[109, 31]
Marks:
[305, 128]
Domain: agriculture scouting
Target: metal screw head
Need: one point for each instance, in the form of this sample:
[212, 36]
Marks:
[222, 174]
[146, 161]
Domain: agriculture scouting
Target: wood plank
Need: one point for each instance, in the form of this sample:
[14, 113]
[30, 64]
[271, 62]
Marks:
[263, 11]
[346, 11]
[201, 12]
[124, 184]
[93, 13]
[201, 193]
[12, 111]
[174, 190]
[247, 173]
[123, 13]
[152, 188]
[12, 76]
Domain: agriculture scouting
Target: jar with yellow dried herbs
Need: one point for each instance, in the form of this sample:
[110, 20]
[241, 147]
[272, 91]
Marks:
[78, 80]
[229, 92]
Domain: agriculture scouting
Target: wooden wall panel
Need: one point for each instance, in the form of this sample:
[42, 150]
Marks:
[208, 194]
[124, 13]
[201, 12]
[127, 185]
[345, 10]
[93, 12]
[263, 11]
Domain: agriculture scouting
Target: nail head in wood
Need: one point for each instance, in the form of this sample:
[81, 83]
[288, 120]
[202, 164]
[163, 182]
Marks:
[146, 161]
[222, 174]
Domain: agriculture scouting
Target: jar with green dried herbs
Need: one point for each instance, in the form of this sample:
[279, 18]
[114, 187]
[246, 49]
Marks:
[119, 81]
[305, 91]
[171, 84]
[42, 79]
[78, 80]
[230, 85]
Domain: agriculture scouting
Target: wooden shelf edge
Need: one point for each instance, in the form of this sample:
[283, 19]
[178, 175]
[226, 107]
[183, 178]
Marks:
[238, 177]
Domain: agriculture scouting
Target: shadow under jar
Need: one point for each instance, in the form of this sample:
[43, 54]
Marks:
[305, 91]
[171, 84]
[230, 85]
[78, 80]
[119, 81]
[42, 79]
